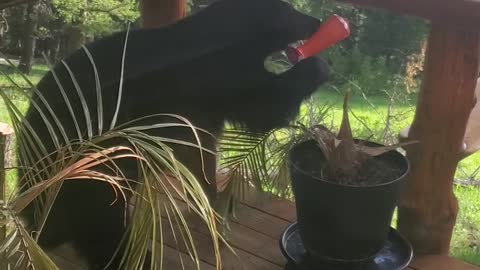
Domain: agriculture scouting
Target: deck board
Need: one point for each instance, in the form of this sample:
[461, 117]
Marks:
[254, 236]
[440, 263]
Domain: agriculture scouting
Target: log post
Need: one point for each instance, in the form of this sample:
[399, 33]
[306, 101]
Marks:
[428, 207]
[5, 147]
[157, 13]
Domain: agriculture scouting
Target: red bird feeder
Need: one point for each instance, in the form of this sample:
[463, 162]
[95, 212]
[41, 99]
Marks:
[334, 30]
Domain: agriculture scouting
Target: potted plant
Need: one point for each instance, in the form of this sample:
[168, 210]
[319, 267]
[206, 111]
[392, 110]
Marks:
[345, 189]
[345, 193]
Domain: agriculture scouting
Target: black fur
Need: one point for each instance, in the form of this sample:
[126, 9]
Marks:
[207, 67]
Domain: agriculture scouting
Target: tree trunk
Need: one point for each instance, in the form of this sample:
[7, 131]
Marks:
[158, 13]
[53, 49]
[3, 24]
[428, 207]
[28, 39]
[6, 134]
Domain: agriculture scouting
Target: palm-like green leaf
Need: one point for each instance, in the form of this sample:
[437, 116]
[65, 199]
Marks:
[166, 186]
[260, 160]
[20, 251]
[247, 155]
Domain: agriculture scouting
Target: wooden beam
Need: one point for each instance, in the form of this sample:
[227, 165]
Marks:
[435, 262]
[158, 13]
[472, 134]
[428, 207]
[5, 142]
[462, 13]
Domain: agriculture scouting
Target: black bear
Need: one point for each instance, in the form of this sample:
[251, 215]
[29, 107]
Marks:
[208, 67]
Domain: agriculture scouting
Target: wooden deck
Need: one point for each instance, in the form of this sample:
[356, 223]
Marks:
[255, 237]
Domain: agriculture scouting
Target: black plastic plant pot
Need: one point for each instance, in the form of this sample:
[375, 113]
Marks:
[342, 223]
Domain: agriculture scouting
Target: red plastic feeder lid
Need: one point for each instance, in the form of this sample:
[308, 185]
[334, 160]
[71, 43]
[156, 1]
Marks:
[334, 30]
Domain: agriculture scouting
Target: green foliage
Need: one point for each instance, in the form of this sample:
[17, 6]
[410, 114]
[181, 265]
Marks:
[394, 37]
[360, 73]
[96, 17]
[303, 5]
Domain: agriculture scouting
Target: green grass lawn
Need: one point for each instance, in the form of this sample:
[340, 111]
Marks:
[466, 238]
[34, 77]
[18, 96]
[368, 119]
[9, 74]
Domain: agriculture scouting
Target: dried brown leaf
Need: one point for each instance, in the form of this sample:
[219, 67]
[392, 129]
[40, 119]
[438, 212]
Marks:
[378, 150]
[325, 139]
[345, 160]
[345, 132]
[344, 156]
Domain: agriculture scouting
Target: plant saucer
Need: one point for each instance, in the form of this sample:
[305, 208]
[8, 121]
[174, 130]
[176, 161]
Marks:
[396, 254]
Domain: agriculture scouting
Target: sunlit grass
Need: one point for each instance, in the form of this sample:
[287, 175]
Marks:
[20, 101]
[466, 238]
[37, 73]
